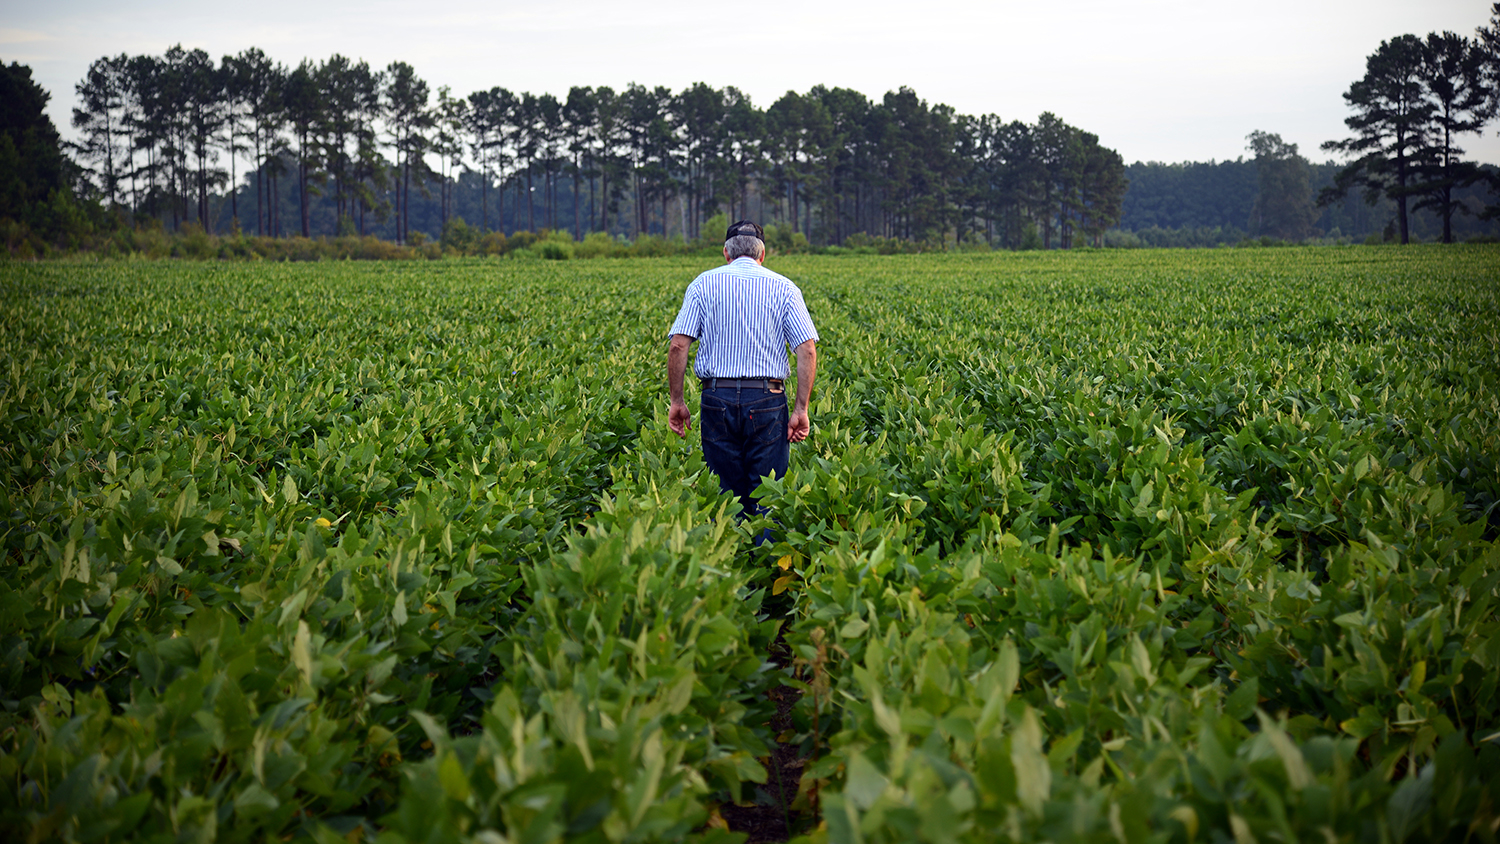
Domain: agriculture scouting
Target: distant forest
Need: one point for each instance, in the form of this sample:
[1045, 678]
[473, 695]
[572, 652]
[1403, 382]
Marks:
[1188, 204]
[1214, 202]
[340, 147]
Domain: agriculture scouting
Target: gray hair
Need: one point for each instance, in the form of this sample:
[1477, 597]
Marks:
[744, 246]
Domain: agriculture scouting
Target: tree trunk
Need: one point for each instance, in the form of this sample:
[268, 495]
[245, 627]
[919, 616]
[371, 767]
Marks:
[1448, 186]
[1447, 214]
[1401, 187]
[640, 204]
[234, 194]
[302, 197]
[273, 213]
[604, 204]
[203, 198]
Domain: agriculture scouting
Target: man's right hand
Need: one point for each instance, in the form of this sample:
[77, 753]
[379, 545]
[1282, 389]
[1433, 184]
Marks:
[798, 425]
[679, 418]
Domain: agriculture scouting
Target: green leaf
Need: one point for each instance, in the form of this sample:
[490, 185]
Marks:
[863, 783]
[300, 655]
[1241, 703]
[1186, 816]
[1241, 830]
[398, 610]
[1033, 773]
[643, 787]
[854, 628]
[680, 694]
[254, 801]
[1409, 803]
[451, 776]
[885, 717]
[1140, 660]
[1297, 773]
[435, 731]
[1368, 722]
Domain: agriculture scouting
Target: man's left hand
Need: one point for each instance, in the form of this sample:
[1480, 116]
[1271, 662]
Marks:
[680, 419]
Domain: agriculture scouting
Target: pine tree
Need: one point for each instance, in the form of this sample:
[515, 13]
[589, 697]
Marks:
[100, 116]
[1391, 124]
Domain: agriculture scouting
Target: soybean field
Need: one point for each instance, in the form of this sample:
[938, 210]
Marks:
[1099, 546]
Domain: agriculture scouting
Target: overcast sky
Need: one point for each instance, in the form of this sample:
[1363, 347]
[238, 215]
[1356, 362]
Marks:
[1157, 80]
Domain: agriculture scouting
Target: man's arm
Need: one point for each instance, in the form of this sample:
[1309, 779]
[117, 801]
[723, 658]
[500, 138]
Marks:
[679, 418]
[807, 369]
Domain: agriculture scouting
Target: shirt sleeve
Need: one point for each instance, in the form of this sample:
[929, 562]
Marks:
[796, 323]
[690, 318]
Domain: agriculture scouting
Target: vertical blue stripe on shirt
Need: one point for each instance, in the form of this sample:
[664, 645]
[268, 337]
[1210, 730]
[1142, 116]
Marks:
[744, 317]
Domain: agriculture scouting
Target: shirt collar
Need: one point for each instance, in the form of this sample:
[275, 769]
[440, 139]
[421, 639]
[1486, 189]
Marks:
[752, 261]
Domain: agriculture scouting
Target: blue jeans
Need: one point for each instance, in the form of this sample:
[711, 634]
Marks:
[744, 438]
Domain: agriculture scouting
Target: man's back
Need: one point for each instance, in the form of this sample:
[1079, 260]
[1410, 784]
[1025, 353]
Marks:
[744, 317]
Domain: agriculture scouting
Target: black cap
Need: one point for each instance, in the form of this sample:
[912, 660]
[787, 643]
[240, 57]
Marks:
[745, 228]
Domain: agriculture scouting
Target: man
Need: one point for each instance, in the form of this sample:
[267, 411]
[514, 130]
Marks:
[744, 317]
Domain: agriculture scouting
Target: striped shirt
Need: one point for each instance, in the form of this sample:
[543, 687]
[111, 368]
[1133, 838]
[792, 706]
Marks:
[744, 317]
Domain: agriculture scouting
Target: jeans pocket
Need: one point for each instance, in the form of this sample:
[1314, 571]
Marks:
[768, 423]
[714, 418]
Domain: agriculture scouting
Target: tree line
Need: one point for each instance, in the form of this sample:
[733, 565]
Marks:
[161, 134]
[1417, 98]
[1210, 203]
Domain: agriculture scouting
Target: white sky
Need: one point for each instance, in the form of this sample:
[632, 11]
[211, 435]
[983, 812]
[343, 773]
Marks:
[1162, 80]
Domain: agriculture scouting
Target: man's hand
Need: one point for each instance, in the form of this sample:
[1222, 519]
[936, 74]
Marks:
[807, 369]
[797, 426]
[680, 419]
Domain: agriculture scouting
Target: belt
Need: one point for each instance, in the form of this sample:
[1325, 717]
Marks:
[743, 383]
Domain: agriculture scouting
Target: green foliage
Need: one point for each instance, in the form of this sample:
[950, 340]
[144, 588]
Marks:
[784, 240]
[39, 213]
[459, 236]
[1083, 546]
[596, 245]
[1283, 201]
[32, 165]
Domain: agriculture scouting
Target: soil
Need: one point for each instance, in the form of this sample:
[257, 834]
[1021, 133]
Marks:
[771, 818]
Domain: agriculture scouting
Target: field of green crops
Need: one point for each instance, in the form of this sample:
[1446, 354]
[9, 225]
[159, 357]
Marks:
[1148, 546]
